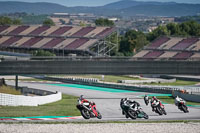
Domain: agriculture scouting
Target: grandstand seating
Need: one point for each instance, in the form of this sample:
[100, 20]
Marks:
[30, 42]
[27, 31]
[83, 32]
[183, 55]
[96, 31]
[9, 29]
[64, 43]
[72, 31]
[49, 31]
[3, 39]
[153, 54]
[87, 44]
[61, 31]
[20, 42]
[168, 54]
[77, 43]
[51, 37]
[155, 44]
[41, 43]
[185, 43]
[141, 53]
[196, 55]
[18, 30]
[2, 28]
[105, 32]
[53, 43]
[10, 41]
[197, 46]
[173, 41]
[171, 48]
[39, 30]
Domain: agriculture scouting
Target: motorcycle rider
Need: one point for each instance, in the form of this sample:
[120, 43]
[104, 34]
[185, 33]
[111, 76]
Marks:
[83, 100]
[146, 99]
[129, 102]
[154, 99]
[178, 101]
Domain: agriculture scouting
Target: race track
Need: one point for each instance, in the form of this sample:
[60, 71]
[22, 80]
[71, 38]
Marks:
[107, 101]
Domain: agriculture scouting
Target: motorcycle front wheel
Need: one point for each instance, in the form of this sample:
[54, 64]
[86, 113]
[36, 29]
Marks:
[145, 115]
[184, 108]
[132, 114]
[99, 116]
[159, 110]
[85, 113]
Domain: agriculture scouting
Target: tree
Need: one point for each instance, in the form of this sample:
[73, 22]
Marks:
[132, 41]
[5, 21]
[42, 53]
[48, 22]
[160, 31]
[17, 22]
[104, 22]
[173, 29]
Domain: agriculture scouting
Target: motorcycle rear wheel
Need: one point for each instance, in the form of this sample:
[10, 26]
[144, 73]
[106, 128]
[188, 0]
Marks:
[85, 113]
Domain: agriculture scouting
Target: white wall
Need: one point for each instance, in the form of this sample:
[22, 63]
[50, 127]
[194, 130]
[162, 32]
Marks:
[18, 100]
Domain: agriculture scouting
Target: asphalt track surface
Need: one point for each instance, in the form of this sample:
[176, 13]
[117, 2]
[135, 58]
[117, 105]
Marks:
[108, 102]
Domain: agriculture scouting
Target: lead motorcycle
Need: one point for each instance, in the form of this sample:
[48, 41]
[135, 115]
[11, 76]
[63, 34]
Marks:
[181, 105]
[158, 107]
[88, 109]
[130, 111]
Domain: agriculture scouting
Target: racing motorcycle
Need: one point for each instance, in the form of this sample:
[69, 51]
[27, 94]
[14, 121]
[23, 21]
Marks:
[146, 99]
[181, 105]
[88, 109]
[158, 107]
[130, 111]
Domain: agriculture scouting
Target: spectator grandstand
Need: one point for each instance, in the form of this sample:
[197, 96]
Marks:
[67, 39]
[172, 48]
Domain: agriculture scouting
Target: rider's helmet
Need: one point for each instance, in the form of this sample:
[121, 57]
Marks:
[126, 99]
[154, 98]
[81, 97]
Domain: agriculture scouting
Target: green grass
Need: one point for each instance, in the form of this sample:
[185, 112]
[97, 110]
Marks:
[177, 83]
[9, 90]
[107, 78]
[64, 107]
[170, 100]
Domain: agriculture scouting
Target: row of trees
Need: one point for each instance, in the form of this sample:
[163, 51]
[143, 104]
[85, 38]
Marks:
[9, 21]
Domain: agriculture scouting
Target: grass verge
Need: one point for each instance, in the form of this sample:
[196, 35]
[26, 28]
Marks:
[64, 107]
[9, 90]
[107, 78]
[177, 83]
